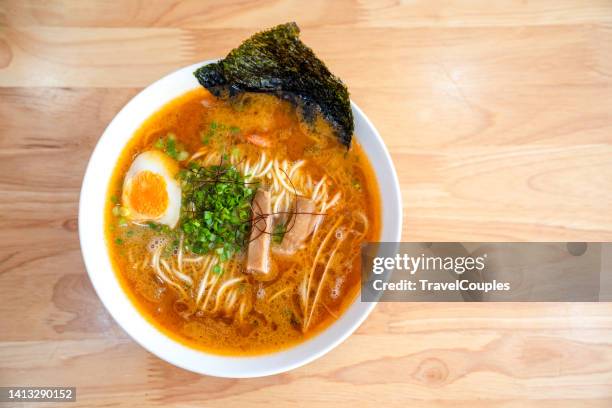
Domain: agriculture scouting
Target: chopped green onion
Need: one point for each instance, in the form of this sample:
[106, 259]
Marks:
[205, 137]
[171, 147]
[154, 226]
[182, 155]
[218, 131]
[216, 203]
[217, 269]
[279, 233]
[118, 241]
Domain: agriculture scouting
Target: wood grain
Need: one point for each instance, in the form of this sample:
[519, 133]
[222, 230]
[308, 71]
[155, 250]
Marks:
[498, 116]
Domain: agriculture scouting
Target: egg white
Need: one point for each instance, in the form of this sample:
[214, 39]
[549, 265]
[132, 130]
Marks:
[158, 163]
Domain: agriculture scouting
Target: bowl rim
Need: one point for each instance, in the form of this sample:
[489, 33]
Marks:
[137, 326]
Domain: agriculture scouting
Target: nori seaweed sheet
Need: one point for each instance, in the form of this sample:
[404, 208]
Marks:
[277, 61]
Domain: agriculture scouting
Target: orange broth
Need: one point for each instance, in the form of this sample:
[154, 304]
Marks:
[271, 325]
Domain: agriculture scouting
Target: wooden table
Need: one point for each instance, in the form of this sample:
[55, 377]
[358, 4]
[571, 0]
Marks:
[498, 115]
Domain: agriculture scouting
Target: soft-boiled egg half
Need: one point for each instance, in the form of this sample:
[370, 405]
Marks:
[150, 189]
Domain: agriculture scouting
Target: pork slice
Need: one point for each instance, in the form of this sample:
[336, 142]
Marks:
[299, 227]
[258, 257]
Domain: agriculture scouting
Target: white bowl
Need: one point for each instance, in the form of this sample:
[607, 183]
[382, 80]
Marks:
[95, 253]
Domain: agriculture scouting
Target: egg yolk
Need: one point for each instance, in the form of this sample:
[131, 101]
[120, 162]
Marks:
[147, 194]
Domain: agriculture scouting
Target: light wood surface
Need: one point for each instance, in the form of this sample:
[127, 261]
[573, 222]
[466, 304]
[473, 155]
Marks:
[498, 115]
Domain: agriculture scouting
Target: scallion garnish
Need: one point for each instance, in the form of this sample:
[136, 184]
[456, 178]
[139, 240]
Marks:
[171, 147]
[216, 210]
[279, 232]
